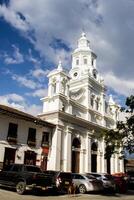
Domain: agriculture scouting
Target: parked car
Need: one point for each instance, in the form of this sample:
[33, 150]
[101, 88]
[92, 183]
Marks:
[86, 183]
[121, 181]
[61, 180]
[107, 180]
[24, 177]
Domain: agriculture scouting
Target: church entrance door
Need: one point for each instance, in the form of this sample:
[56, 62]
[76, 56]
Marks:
[94, 157]
[75, 155]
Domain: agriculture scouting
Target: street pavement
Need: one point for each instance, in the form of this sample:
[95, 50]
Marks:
[12, 195]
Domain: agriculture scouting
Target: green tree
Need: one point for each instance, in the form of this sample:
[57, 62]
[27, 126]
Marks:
[123, 135]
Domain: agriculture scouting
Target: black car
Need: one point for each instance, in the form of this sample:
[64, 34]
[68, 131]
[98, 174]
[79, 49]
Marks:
[62, 180]
[24, 177]
[130, 179]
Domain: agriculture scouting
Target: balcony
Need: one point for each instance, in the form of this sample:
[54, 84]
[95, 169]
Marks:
[31, 143]
[45, 144]
[12, 139]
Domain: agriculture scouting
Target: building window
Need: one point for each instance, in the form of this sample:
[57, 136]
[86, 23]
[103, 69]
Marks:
[45, 139]
[12, 132]
[77, 62]
[31, 141]
[94, 74]
[63, 86]
[106, 107]
[85, 61]
[92, 101]
[92, 62]
[97, 104]
[54, 88]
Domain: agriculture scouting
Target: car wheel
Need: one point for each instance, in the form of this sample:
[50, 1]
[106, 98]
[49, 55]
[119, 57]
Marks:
[21, 187]
[82, 189]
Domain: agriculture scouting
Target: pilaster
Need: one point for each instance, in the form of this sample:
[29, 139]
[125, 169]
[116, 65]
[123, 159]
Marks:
[104, 165]
[67, 150]
[99, 161]
[112, 164]
[88, 153]
[55, 161]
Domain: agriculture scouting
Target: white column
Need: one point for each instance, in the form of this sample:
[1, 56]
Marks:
[67, 151]
[88, 154]
[112, 163]
[116, 162]
[104, 165]
[50, 89]
[121, 165]
[55, 157]
[121, 161]
[82, 160]
[99, 161]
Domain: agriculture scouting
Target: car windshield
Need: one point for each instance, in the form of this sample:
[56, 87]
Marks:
[97, 175]
[108, 176]
[90, 177]
[32, 169]
[65, 175]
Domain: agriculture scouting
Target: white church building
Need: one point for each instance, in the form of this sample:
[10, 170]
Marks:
[76, 104]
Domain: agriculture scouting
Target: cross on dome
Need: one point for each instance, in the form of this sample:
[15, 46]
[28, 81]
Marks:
[83, 42]
[83, 34]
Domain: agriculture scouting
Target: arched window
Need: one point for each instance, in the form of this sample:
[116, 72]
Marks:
[54, 86]
[92, 62]
[94, 146]
[92, 101]
[63, 89]
[76, 143]
[97, 104]
[94, 73]
[106, 107]
[85, 61]
[77, 61]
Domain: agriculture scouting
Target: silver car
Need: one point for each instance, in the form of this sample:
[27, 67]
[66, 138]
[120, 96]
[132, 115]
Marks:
[86, 183]
[107, 180]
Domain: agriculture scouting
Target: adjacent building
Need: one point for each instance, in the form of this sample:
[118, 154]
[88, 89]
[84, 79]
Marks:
[23, 138]
[78, 106]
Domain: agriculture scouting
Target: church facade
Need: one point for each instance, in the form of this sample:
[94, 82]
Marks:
[77, 105]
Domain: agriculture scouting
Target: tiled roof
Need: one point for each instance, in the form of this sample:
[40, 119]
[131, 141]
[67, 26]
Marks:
[12, 112]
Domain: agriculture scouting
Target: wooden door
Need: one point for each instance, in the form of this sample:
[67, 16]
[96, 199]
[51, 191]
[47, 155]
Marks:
[75, 161]
[9, 156]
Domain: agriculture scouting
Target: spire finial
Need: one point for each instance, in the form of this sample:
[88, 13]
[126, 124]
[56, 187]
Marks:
[111, 99]
[60, 65]
[83, 32]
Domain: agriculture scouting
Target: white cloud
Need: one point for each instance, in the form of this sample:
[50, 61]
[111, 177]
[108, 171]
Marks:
[16, 58]
[121, 86]
[13, 100]
[32, 59]
[13, 18]
[13, 97]
[18, 102]
[108, 24]
[38, 93]
[37, 73]
[33, 109]
[24, 81]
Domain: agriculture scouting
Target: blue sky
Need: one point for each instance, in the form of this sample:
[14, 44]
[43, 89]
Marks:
[33, 37]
